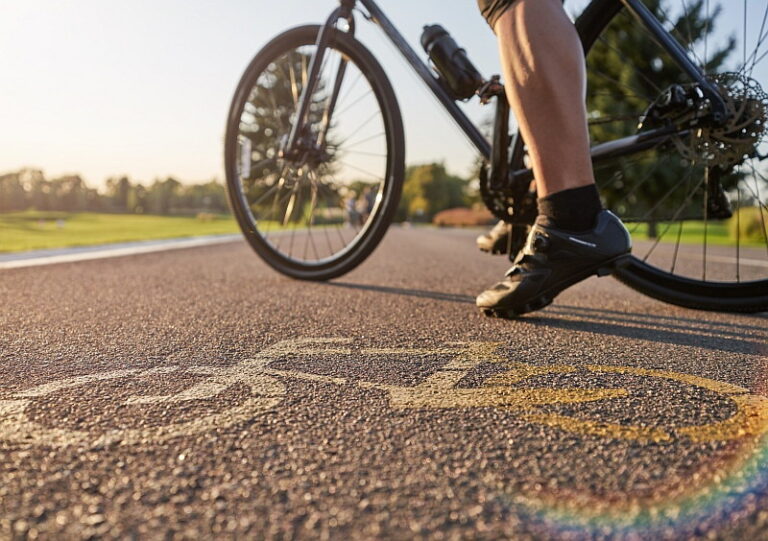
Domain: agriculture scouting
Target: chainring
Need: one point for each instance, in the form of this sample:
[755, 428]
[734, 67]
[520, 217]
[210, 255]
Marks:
[500, 204]
[519, 212]
[504, 206]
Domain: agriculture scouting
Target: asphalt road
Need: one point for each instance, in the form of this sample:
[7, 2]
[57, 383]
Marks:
[198, 394]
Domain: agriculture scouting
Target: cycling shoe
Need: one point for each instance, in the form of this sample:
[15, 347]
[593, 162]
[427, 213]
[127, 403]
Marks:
[553, 260]
[495, 241]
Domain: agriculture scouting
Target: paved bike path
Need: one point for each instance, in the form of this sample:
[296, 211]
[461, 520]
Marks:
[196, 393]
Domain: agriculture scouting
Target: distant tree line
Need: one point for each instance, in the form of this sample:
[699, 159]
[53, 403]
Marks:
[28, 189]
[428, 189]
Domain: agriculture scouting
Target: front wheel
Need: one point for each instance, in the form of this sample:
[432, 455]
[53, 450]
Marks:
[318, 212]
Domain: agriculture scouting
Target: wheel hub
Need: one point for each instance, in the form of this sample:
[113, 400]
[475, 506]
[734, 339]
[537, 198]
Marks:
[701, 138]
[731, 143]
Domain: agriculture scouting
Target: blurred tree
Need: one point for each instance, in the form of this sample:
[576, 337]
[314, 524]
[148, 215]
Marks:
[626, 71]
[38, 189]
[12, 193]
[137, 199]
[162, 195]
[29, 189]
[117, 193]
[207, 197]
[69, 193]
[428, 189]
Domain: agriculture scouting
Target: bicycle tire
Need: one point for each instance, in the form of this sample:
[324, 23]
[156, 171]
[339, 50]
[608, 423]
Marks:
[745, 297]
[354, 253]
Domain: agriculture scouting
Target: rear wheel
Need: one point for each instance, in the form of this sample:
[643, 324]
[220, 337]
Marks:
[319, 212]
[696, 204]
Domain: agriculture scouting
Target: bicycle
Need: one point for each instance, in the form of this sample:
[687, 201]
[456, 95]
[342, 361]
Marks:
[678, 125]
[442, 389]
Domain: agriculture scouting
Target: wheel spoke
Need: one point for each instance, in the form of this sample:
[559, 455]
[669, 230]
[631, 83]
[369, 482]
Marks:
[316, 185]
[361, 141]
[374, 154]
[760, 205]
[358, 100]
[707, 172]
[695, 215]
[361, 170]
[706, 40]
[690, 41]
[621, 55]
[674, 217]
[359, 127]
[294, 84]
[351, 86]
[738, 230]
[619, 84]
[761, 36]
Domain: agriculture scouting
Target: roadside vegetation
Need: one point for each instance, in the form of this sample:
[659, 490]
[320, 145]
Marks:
[721, 233]
[29, 189]
[39, 213]
[35, 230]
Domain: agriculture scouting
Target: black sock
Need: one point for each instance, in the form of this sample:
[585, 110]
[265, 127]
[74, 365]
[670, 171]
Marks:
[573, 210]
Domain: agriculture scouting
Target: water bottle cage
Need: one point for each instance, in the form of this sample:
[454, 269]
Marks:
[442, 82]
[490, 89]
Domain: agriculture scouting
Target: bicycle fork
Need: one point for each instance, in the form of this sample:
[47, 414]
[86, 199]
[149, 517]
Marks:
[292, 144]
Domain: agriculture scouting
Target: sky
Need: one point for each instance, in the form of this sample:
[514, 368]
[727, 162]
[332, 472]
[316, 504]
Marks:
[142, 88]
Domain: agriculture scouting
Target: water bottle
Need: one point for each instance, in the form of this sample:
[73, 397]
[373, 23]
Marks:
[451, 63]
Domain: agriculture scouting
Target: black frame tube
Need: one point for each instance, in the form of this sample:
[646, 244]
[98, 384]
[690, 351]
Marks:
[679, 55]
[466, 125]
[331, 104]
[341, 12]
[616, 148]
[611, 149]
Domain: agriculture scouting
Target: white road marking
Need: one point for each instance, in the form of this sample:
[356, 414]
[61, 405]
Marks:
[70, 255]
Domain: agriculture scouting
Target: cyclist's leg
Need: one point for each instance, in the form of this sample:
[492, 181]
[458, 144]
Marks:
[545, 80]
[546, 83]
[544, 74]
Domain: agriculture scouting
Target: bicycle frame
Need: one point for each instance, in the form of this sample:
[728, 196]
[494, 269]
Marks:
[496, 151]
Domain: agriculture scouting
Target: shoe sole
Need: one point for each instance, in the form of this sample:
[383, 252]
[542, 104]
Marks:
[545, 298]
[496, 248]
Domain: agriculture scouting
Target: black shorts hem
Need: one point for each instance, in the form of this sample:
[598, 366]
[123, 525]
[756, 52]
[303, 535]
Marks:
[493, 9]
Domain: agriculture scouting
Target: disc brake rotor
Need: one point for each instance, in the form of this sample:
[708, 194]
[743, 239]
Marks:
[729, 144]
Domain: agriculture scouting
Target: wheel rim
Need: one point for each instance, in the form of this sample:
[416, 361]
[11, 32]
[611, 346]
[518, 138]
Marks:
[310, 210]
[670, 188]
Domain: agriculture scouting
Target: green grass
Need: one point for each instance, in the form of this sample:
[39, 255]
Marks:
[32, 230]
[692, 233]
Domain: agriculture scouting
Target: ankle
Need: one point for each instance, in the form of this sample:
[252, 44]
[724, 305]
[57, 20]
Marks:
[573, 210]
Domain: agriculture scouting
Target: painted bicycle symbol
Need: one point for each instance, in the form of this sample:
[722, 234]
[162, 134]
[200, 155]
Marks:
[440, 390]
